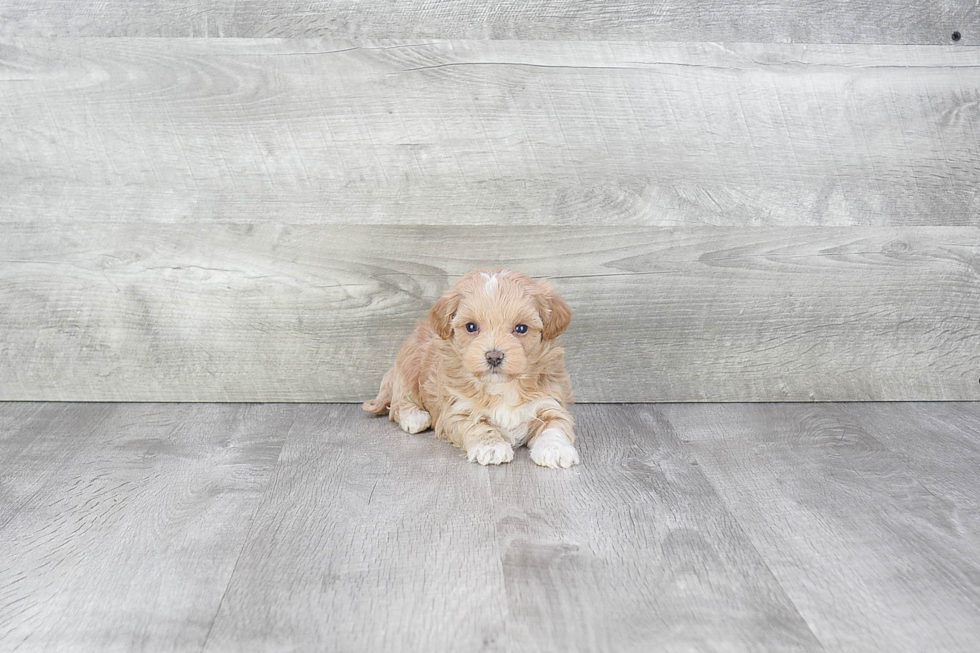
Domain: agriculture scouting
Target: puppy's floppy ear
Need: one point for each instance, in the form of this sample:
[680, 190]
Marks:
[555, 313]
[442, 312]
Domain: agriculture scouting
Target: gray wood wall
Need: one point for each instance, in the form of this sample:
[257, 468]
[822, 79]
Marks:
[254, 201]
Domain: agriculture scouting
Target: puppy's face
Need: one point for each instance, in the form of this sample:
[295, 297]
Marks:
[500, 322]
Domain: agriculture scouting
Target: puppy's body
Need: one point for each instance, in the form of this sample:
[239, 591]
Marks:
[486, 371]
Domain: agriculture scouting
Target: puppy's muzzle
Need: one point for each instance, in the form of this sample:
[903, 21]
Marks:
[495, 358]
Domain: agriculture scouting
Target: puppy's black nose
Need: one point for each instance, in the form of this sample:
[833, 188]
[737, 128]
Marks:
[495, 357]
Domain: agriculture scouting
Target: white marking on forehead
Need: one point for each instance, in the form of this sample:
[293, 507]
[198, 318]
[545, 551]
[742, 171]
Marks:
[491, 286]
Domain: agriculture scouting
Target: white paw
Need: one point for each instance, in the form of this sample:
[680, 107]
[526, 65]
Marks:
[552, 449]
[414, 420]
[491, 454]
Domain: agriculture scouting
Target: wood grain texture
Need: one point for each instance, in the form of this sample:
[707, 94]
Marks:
[702, 527]
[120, 525]
[874, 553]
[632, 551]
[488, 132]
[367, 540]
[941, 448]
[372, 540]
[822, 21]
[304, 313]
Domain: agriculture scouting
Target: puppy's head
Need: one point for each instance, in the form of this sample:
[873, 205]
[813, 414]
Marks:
[500, 322]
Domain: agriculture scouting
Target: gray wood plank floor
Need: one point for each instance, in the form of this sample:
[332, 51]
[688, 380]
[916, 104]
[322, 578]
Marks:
[698, 527]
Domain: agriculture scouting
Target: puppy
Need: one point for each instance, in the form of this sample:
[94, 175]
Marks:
[486, 371]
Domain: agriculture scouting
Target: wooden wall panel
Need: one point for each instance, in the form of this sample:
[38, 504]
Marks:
[264, 219]
[183, 312]
[776, 21]
[486, 132]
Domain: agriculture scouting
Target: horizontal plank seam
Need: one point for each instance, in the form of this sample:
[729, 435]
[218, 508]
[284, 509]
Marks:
[641, 65]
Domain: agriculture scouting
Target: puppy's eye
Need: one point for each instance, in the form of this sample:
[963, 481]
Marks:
[471, 327]
[521, 329]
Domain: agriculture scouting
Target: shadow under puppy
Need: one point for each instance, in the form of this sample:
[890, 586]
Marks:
[487, 372]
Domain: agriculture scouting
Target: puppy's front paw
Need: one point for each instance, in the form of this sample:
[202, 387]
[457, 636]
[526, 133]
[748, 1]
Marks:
[414, 420]
[493, 453]
[552, 449]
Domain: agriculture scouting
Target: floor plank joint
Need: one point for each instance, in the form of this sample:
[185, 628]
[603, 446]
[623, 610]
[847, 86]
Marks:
[734, 527]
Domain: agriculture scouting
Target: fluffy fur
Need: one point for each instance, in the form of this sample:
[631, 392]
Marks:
[444, 378]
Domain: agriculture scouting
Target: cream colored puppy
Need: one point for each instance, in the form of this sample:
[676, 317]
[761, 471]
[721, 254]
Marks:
[486, 371]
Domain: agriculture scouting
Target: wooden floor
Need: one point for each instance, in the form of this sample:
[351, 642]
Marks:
[688, 527]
